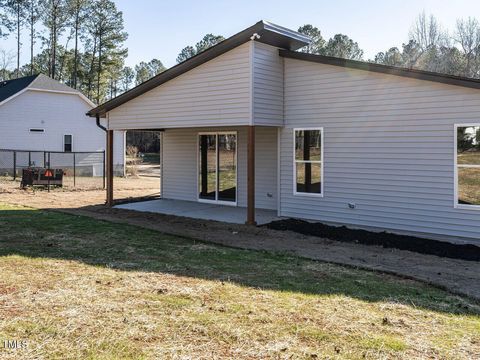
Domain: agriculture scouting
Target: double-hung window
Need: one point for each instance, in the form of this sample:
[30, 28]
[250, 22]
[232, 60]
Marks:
[467, 166]
[308, 169]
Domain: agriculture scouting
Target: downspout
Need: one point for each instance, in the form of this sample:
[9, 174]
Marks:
[100, 125]
[106, 163]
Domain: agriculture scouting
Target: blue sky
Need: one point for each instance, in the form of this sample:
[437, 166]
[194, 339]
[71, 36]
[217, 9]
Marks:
[160, 29]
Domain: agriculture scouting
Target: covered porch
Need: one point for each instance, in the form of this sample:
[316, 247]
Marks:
[225, 174]
[204, 211]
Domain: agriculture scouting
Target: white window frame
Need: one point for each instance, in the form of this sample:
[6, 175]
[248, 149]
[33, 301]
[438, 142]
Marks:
[456, 205]
[216, 201]
[64, 142]
[36, 130]
[322, 151]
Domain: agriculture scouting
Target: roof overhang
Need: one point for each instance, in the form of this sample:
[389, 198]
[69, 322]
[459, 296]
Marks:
[384, 69]
[268, 33]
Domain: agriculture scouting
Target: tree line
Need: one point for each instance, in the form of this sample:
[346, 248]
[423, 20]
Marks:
[82, 44]
[430, 47]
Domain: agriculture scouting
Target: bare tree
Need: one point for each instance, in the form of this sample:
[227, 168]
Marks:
[467, 35]
[6, 61]
[426, 32]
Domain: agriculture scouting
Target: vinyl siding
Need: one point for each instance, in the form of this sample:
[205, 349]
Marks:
[59, 114]
[267, 85]
[180, 165]
[217, 93]
[388, 148]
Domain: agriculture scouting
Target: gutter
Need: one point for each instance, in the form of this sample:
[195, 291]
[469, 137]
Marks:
[98, 123]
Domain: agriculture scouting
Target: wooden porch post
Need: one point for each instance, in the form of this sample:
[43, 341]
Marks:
[251, 176]
[109, 167]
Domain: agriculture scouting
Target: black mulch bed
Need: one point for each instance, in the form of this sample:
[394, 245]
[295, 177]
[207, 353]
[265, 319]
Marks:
[385, 239]
[136, 199]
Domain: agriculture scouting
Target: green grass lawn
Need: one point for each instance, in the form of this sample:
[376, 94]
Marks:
[75, 287]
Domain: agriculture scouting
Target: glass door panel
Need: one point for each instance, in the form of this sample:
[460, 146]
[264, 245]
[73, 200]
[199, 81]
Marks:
[227, 167]
[207, 167]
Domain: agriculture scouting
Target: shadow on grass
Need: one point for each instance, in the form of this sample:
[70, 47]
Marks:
[45, 234]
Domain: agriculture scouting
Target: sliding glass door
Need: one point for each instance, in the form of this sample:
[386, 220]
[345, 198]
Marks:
[217, 159]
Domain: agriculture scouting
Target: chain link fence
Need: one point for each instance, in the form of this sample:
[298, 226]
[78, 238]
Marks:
[81, 169]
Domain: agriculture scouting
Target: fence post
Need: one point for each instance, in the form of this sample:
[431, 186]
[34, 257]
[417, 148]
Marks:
[48, 168]
[103, 169]
[44, 159]
[74, 183]
[29, 158]
[14, 165]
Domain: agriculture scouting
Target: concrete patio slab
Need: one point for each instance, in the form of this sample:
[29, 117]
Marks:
[197, 210]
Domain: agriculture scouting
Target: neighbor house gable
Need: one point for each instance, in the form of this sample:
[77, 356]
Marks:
[10, 89]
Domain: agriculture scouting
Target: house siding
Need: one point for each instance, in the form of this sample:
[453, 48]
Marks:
[267, 85]
[388, 148]
[217, 93]
[180, 165]
[59, 114]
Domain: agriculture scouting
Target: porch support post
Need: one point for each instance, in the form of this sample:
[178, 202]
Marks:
[109, 167]
[251, 176]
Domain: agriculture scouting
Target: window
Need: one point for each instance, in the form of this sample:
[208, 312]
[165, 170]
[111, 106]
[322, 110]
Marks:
[37, 130]
[308, 172]
[67, 143]
[467, 166]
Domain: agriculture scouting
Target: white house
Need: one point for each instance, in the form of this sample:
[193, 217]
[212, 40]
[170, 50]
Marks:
[251, 122]
[38, 113]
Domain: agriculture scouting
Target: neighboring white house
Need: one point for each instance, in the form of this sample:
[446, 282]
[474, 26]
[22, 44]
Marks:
[335, 140]
[38, 113]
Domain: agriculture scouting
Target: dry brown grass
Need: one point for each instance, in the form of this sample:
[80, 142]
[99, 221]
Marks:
[87, 192]
[75, 287]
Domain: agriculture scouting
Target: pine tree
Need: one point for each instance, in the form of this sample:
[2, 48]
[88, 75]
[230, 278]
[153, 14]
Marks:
[33, 12]
[317, 44]
[79, 12]
[107, 30]
[207, 41]
[17, 9]
[5, 22]
[145, 71]
[127, 76]
[55, 16]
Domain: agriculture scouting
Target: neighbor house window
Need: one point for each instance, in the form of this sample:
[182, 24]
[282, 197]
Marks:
[67, 143]
[467, 167]
[37, 130]
[308, 172]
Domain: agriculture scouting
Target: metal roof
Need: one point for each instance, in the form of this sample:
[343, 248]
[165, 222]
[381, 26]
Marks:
[268, 33]
[384, 69]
